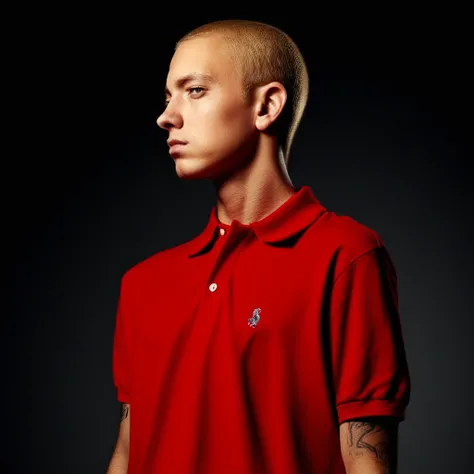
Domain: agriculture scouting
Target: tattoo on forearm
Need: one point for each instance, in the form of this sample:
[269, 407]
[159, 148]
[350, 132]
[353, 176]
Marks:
[369, 437]
[124, 412]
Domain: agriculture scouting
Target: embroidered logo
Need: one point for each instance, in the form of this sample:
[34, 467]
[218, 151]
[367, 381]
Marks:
[253, 321]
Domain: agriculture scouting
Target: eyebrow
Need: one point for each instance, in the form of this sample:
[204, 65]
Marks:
[181, 81]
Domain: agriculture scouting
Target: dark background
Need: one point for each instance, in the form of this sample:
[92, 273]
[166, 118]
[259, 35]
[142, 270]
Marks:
[384, 139]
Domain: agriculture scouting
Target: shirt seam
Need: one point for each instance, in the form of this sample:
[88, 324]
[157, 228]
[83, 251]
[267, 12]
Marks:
[355, 259]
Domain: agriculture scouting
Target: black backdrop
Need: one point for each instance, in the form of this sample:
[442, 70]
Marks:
[384, 139]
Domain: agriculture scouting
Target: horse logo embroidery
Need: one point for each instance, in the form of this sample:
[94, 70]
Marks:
[253, 321]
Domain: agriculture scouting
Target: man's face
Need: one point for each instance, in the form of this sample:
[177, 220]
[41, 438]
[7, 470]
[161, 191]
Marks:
[209, 114]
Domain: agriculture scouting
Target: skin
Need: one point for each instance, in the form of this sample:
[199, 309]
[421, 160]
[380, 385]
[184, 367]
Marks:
[370, 445]
[227, 138]
[125, 408]
[118, 463]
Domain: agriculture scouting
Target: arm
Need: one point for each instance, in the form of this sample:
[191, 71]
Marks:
[370, 445]
[369, 365]
[119, 461]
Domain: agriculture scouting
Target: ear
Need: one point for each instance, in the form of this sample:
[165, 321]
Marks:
[271, 99]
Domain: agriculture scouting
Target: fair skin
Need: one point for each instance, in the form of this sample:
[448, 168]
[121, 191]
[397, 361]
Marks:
[228, 142]
[369, 446]
[118, 463]
[227, 139]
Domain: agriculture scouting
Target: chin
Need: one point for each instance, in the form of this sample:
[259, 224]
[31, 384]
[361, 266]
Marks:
[211, 167]
[188, 171]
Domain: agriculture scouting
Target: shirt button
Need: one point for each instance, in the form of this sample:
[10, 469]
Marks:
[222, 231]
[213, 287]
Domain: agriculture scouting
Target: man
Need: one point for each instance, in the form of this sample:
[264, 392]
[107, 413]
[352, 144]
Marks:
[271, 342]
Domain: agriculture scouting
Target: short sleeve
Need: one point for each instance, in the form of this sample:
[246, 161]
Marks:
[121, 349]
[370, 370]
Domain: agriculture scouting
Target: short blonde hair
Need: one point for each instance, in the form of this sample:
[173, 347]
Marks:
[265, 54]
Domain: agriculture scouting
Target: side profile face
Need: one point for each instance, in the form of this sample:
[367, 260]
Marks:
[207, 111]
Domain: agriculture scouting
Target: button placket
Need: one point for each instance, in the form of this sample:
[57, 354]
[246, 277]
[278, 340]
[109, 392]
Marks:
[234, 237]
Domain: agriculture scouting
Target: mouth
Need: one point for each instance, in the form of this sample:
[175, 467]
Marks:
[175, 141]
[176, 148]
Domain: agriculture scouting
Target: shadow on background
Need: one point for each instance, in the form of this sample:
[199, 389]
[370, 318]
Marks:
[384, 140]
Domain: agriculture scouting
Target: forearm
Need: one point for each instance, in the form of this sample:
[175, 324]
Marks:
[369, 467]
[370, 446]
[118, 463]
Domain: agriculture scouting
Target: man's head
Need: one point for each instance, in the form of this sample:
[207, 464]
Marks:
[256, 85]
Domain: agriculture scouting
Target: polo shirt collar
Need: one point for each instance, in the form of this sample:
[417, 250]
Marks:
[298, 212]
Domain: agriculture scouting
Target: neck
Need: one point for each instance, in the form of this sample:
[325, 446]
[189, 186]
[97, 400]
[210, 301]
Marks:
[254, 192]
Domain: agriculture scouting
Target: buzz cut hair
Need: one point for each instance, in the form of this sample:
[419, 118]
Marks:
[262, 54]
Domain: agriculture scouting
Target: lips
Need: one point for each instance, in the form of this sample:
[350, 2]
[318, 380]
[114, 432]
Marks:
[176, 147]
[175, 142]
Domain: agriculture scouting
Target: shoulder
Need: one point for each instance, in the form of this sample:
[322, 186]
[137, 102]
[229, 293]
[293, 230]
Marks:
[345, 239]
[158, 265]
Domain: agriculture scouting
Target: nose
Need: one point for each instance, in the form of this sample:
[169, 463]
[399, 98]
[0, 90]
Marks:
[169, 118]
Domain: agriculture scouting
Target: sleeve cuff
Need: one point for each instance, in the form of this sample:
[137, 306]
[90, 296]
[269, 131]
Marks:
[122, 396]
[365, 408]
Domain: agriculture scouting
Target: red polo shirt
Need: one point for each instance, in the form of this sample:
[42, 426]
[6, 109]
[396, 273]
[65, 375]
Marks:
[242, 350]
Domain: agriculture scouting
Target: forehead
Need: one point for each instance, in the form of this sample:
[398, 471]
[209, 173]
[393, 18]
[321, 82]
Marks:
[206, 56]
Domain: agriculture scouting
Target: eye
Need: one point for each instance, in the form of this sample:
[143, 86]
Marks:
[196, 89]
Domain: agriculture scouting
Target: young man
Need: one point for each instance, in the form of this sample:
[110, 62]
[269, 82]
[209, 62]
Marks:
[271, 342]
